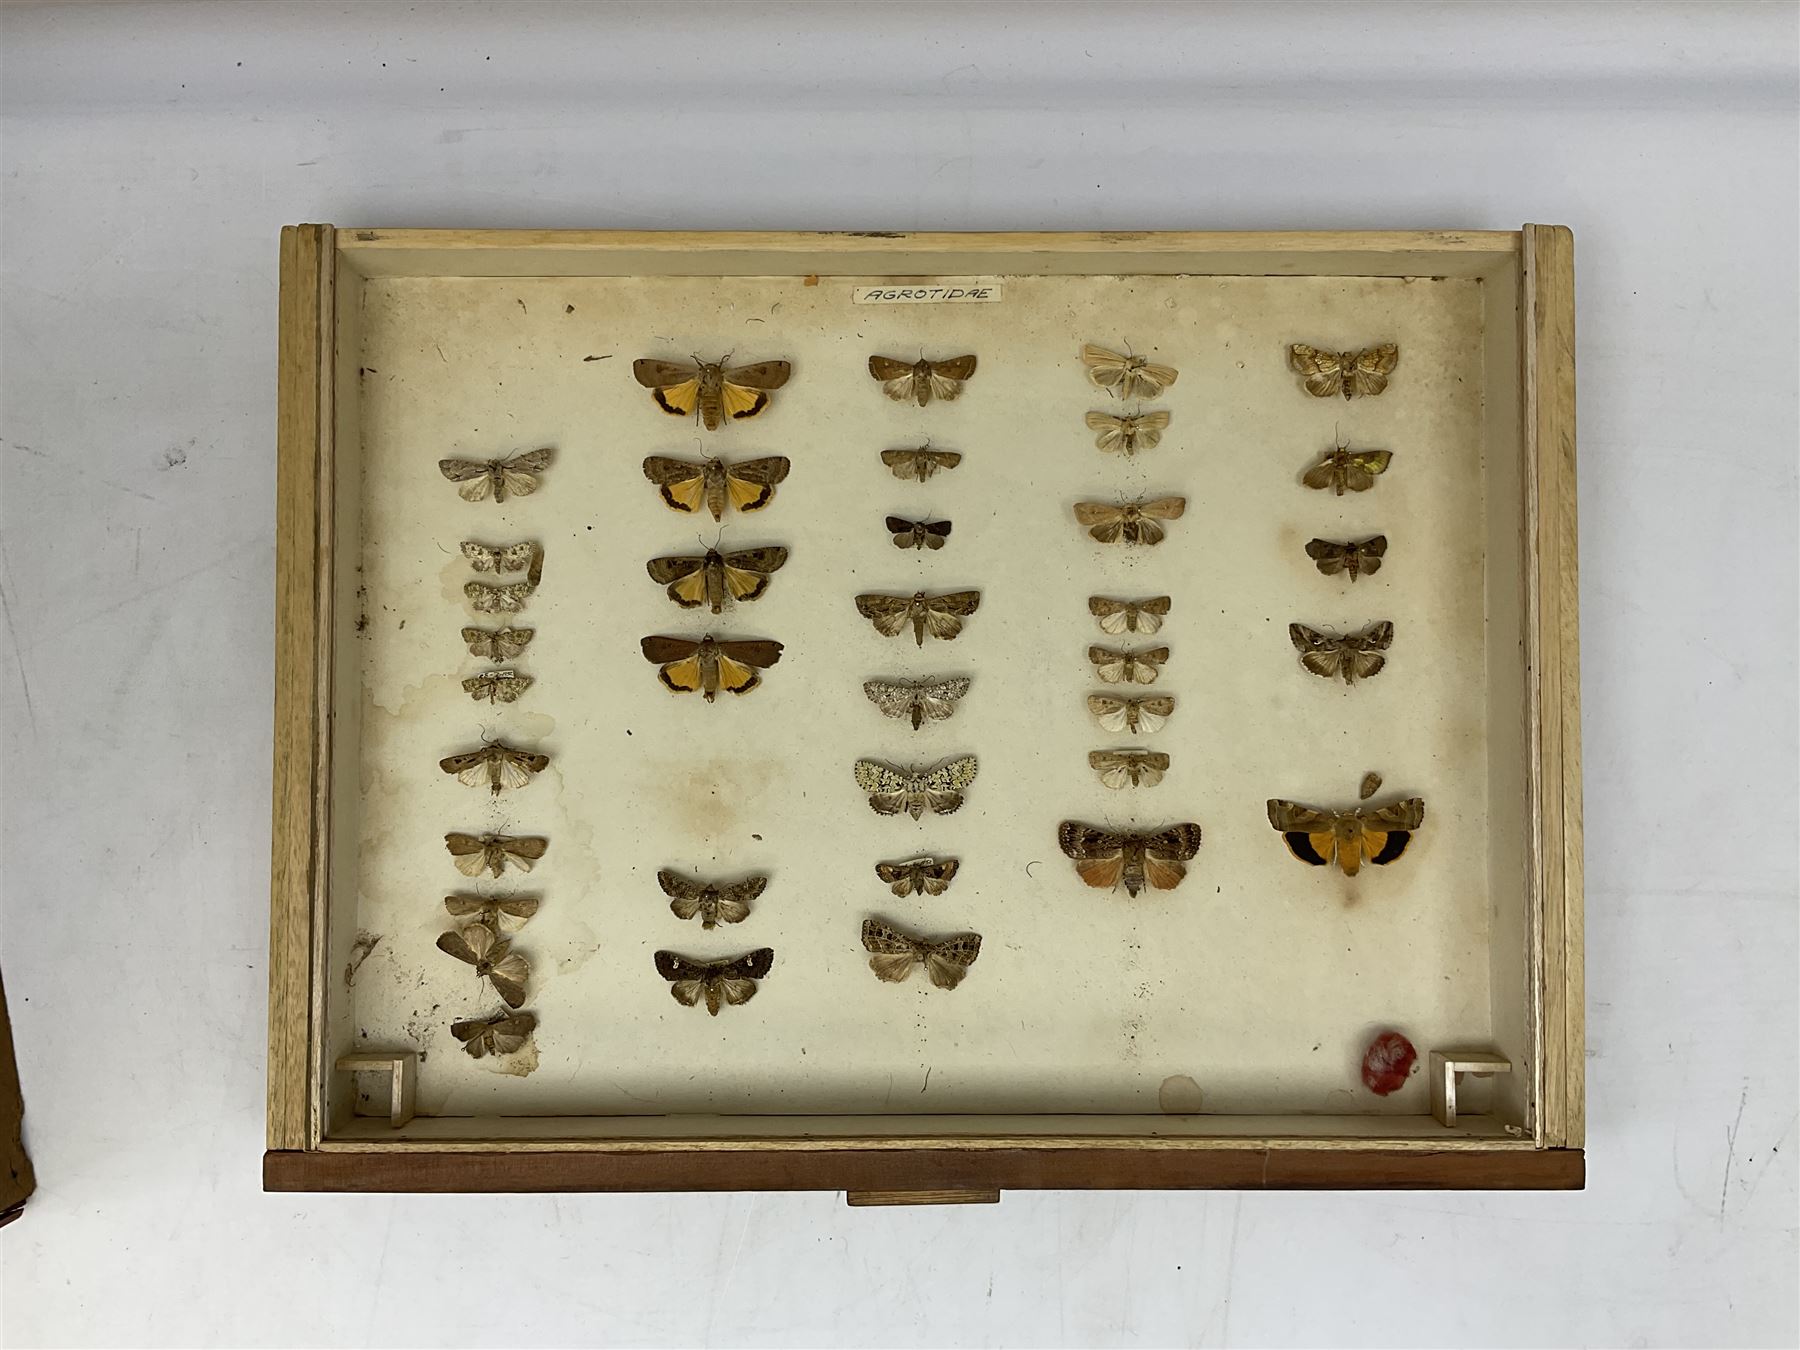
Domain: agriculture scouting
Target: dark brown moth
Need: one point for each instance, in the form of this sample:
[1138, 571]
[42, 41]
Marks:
[495, 766]
[503, 914]
[1114, 666]
[925, 875]
[921, 463]
[493, 958]
[1346, 470]
[1319, 836]
[710, 665]
[939, 615]
[711, 390]
[1129, 768]
[1129, 616]
[1129, 522]
[919, 534]
[714, 903]
[476, 479]
[502, 1034]
[1327, 373]
[1361, 557]
[474, 854]
[1104, 858]
[921, 380]
[718, 982]
[715, 577]
[1136, 715]
[1355, 656]
[499, 644]
[687, 485]
[921, 700]
[894, 953]
[497, 686]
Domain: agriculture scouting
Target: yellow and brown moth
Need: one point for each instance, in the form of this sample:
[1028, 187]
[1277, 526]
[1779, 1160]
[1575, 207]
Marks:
[1125, 376]
[1319, 836]
[710, 665]
[507, 599]
[711, 390]
[921, 380]
[916, 788]
[718, 982]
[1104, 858]
[1128, 435]
[1129, 768]
[921, 463]
[1346, 470]
[503, 914]
[1129, 616]
[714, 903]
[474, 854]
[493, 958]
[495, 766]
[939, 615]
[924, 875]
[1136, 715]
[502, 1034]
[1129, 522]
[1326, 373]
[498, 644]
[497, 686]
[1114, 666]
[687, 485]
[921, 700]
[476, 479]
[1355, 656]
[919, 534]
[715, 577]
[1361, 557]
[893, 954]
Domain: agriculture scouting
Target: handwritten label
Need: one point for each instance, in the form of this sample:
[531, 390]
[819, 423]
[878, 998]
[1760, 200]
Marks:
[975, 291]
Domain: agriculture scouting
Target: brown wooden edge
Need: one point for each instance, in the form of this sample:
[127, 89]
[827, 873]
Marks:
[904, 1172]
[304, 376]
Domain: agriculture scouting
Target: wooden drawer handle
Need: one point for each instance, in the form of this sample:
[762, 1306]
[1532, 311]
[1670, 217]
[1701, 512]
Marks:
[922, 1197]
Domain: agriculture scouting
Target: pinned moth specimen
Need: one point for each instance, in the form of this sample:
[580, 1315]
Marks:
[476, 479]
[526, 557]
[1355, 656]
[502, 1034]
[710, 665]
[893, 954]
[474, 854]
[1361, 557]
[921, 380]
[507, 599]
[917, 788]
[718, 982]
[498, 644]
[1104, 858]
[497, 686]
[503, 914]
[715, 577]
[1129, 616]
[1327, 373]
[1371, 784]
[920, 534]
[716, 483]
[925, 875]
[1125, 376]
[495, 766]
[921, 700]
[1127, 667]
[715, 904]
[939, 615]
[1319, 836]
[921, 463]
[711, 390]
[1129, 768]
[1346, 470]
[1128, 435]
[493, 958]
[1136, 715]
[1131, 522]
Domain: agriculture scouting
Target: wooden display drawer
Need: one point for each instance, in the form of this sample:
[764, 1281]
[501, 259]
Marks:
[1205, 1019]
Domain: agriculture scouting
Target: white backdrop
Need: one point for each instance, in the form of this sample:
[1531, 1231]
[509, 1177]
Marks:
[150, 154]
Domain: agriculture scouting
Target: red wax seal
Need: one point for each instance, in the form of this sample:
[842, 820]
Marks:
[1388, 1063]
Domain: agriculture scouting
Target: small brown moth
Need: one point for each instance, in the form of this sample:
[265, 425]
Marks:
[921, 463]
[497, 686]
[921, 700]
[1319, 837]
[710, 665]
[1129, 616]
[503, 914]
[515, 477]
[1127, 667]
[1128, 435]
[1129, 768]
[714, 577]
[919, 534]
[715, 904]
[718, 982]
[1135, 715]
[1355, 656]
[1104, 858]
[925, 875]
[1327, 373]
[499, 644]
[917, 788]
[716, 483]
[893, 954]
[495, 766]
[524, 557]
[493, 958]
[921, 380]
[474, 854]
[1371, 784]
[501, 1034]
[1352, 558]
[507, 599]
[711, 390]
[1344, 469]
[939, 615]
[1126, 376]
[1131, 522]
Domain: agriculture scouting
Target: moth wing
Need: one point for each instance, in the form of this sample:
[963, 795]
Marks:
[665, 649]
[747, 572]
[473, 478]
[735, 676]
[1112, 431]
[1361, 468]
[1099, 513]
[1106, 368]
[517, 767]
[1113, 768]
[1164, 508]
[888, 613]
[470, 769]
[1369, 372]
[753, 965]
[907, 464]
[676, 886]
[1150, 379]
[899, 876]
[1113, 615]
[1403, 815]
[752, 483]
[1112, 713]
[1320, 654]
[1152, 765]
[681, 483]
[509, 977]
[895, 700]
[949, 959]
[896, 378]
[759, 652]
[1329, 557]
[467, 852]
[518, 479]
[1323, 474]
[938, 699]
[739, 401]
[1147, 617]
[684, 576]
[944, 613]
[653, 374]
[887, 940]
[1163, 874]
[1370, 552]
[1321, 372]
[1109, 664]
[524, 852]
[509, 642]
[1086, 841]
[734, 900]
[1101, 873]
[760, 374]
[1177, 843]
[678, 400]
[453, 944]
[508, 685]
[956, 773]
[874, 776]
[947, 376]
[1147, 429]
[1153, 712]
[893, 968]
[684, 908]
